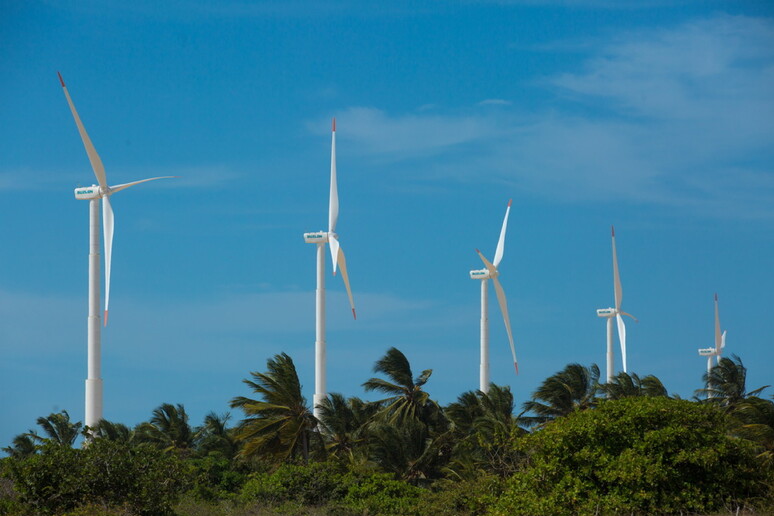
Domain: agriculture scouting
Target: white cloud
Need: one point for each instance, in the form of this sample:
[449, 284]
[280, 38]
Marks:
[203, 176]
[374, 131]
[166, 330]
[495, 102]
[680, 117]
[722, 63]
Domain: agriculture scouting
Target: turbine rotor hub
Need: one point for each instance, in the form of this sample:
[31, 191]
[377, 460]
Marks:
[606, 312]
[317, 237]
[482, 274]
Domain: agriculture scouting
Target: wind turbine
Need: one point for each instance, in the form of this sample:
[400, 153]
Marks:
[491, 272]
[720, 343]
[93, 194]
[337, 255]
[616, 312]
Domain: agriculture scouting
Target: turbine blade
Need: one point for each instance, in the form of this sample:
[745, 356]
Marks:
[343, 266]
[96, 162]
[622, 338]
[118, 188]
[718, 337]
[107, 229]
[504, 309]
[722, 341]
[501, 243]
[630, 315]
[616, 277]
[333, 206]
[491, 268]
[334, 245]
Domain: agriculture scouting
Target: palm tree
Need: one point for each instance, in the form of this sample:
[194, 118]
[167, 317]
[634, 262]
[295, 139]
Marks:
[476, 411]
[485, 427]
[344, 422]
[58, 428]
[625, 385]
[726, 383]
[118, 432]
[215, 436]
[497, 406]
[409, 450]
[23, 445]
[572, 388]
[167, 429]
[280, 424]
[407, 400]
[755, 417]
[464, 413]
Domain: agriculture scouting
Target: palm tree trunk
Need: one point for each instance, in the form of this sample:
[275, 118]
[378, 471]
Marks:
[305, 446]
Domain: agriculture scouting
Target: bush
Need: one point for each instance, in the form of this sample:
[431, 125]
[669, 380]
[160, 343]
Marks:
[293, 487]
[313, 484]
[216, 477]
[474, 496]
[643, 455]
[381, 494]
[105, 473]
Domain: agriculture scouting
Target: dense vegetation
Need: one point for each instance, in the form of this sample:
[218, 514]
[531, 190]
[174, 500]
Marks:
[579, 447]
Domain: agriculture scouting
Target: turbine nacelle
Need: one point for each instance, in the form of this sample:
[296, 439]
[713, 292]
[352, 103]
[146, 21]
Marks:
[707, 352]
[317, 237]
[606, 312]
[482, 274]
[89, 193]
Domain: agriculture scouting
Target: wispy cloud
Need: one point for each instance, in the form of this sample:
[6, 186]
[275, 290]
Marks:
[495, 102]
[412, 134]
[586, 4]
[194, 9]
[227, 321]
[680, 117]
[199, 176]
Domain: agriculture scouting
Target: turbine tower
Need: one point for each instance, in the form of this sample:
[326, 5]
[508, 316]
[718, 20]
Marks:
[616, 312]
[93, 194]
[491, 272]
[337, 255]
[720, 343]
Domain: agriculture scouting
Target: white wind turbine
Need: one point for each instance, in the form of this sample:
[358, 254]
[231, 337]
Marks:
[491, 272]
[93, 194]
[616, 312]
[720, 343]
[337, 255]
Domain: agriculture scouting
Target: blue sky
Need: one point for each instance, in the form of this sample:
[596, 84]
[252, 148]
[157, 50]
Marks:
[654, 116]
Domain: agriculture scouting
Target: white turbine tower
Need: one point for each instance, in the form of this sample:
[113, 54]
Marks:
[491, 272]
[616, 312]
[337, 255]
[720, 343]
[93, 194]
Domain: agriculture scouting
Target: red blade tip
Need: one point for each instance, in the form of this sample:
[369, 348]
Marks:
[716, 296]
[516, 366]
[509, 202]
[60, 79]
[106, 317]
[354, 314]
[334, 124]
[612, 230]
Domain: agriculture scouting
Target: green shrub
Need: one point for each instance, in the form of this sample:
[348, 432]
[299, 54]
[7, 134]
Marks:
[474, 496]
[215, 477]
[312, 484]
[383, 495]
[264, 488]
[647, 455]
[106, 473]
[293, 487]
